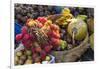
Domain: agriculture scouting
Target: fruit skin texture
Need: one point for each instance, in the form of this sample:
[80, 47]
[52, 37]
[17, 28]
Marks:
[19, 37]
[19, 53]
[27, 44]
[92, 41]
[28, 61]
[42, 19]
[16, 58]
[47, 49]
[53, 34]
[23, 57]
[55, 42]
[63, 44]
[28, 52]
[90, 23]
[24, 30]
[31, 22]
[54, 27]
[20, 62]
[47, 58]
[38, 49]
[79, 27]
[26, 37]
[43, 55]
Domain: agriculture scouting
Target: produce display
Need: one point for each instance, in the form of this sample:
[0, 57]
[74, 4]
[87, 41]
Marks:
[53, 34]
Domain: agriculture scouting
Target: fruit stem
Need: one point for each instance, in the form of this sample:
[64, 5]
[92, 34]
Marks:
[73, 36]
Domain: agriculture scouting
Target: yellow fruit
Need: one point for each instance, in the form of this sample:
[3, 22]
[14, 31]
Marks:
[23, 57]
[29, 57]
[92, 41]
[47, 58]
[19, 53]
[78, 28]
[28, 52]
[20, 62]
[16, 58]
[28, 61]
[65, 11]
[31, 22]
[90, 23]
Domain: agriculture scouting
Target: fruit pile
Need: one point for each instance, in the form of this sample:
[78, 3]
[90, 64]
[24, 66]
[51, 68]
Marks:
[25, 11]
[26, 57]
[40, 36]
[43, 34]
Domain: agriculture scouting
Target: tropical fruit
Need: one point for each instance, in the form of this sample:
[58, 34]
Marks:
[92, 41]
[90, 23]
[78, 29]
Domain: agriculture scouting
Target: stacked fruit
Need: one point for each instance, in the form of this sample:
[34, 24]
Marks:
[39, 36]
[65, 18]
[27, 57]
[26, 11]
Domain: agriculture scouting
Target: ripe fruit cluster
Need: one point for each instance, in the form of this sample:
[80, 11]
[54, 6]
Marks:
[40, 36]
[23, 57]
[26, 11]
[43, 34]
[27, 57]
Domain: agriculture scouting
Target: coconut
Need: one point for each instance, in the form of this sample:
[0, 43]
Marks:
[78, 28]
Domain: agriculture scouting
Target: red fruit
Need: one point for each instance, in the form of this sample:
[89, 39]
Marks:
[55, 42]
[40, 25]
[43, 55]
[27, 44]
[37, 59]
[47, 48]
[54, 27]
[42, 19]
[32, 37]
[34, 56]
[53, 34]
[38, 49]
[26, 37]
[19, 37]
[24, 30]
[33, 50]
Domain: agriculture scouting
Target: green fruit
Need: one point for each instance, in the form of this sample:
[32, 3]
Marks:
[19, 53]
[63, 44]
[47, 58]
[78, 28]
[28, 52]
[90, 23]
[92, 41]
